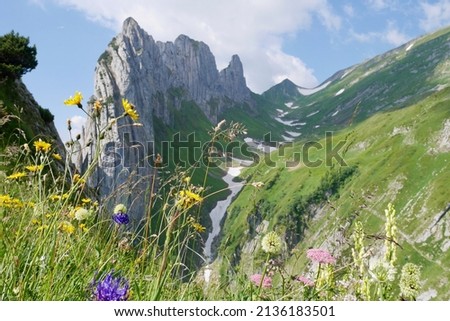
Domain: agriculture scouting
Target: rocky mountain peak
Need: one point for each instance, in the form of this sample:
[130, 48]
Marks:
[157, 77]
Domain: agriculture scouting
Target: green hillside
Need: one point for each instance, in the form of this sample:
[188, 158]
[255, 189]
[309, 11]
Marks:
[392, 126]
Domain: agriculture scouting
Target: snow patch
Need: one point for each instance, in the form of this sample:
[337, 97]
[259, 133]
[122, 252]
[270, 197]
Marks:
[310, 91]
[339, 92]
[312, 114]
[288, 139]
[317, 126]
[289, 104]
[335, 113]
[409, 47]
[285, 122]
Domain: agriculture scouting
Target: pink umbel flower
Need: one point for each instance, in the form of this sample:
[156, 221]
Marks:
[306, 281]
[320, 256]
[256, 279]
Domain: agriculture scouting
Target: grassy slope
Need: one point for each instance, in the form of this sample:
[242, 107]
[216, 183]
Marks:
[404, 168]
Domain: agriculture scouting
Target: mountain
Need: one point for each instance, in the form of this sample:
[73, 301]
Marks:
[175, 87]
[388, 141]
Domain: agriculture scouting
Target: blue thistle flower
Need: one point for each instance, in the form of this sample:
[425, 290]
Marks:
[111, 288]
[121, 218]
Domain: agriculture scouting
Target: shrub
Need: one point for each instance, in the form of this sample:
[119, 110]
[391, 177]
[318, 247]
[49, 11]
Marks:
[17, 57]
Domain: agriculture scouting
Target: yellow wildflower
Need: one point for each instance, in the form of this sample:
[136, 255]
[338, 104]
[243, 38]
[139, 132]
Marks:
[57, 156]
[97, 106]
[188, 199]
[35, 222]
[83, 227]
[54, 198]
[10, 202]
[130, 110]
[75, 100]
[35, 168]
[198, 227]
[187, 179]
[42, 146]
[77, 179]
[67, 227]
[85, 200]
[17, 175]
[65, 196]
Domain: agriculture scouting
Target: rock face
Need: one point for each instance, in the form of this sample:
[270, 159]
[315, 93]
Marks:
[156, 77]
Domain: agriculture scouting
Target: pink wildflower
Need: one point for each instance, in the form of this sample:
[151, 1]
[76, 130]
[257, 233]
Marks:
[256, 279]
[306, 281]
[320, 256]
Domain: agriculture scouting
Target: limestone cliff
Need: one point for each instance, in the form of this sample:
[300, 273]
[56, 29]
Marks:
[156, 77]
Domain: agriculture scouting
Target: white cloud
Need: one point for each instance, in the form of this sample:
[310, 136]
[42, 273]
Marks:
[436, 14]
[378, 4]
[77, 123]
[394, 36]
[253, 29]
[349, 10]
[391, 35]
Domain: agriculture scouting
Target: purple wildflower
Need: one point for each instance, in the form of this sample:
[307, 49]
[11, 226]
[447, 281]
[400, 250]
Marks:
[320, 256]
[121, 218]
[111, 288]
[256, 279]
[306, 281]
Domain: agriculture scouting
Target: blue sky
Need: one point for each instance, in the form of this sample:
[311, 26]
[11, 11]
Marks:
[305, 41]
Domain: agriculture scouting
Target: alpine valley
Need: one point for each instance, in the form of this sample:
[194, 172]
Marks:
[312, 165]
[390, 123]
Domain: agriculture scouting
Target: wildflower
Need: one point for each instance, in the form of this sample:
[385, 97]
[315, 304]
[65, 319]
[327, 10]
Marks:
[77, 179]
[67, 227]
[124, 244]
[69, 125]
[42, 146]
[188, 199]
[56, 156]
[409, 281]
[266, 282]
[10, 202]
[187, 179]
[198, 227]
[391, 234]
[75, 100]
[83, 228]
[306, 281]
[130, 110]
[111, 288]
[97, 106]
[120, 208]
[121, 218]
[384, 272]
[320, 256]
[35, 168]
[120, 215]
[86, 200]
[82, 214]
[271, 243]
[17, 175]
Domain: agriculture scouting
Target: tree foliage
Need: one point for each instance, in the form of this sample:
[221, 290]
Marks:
[17, 57]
